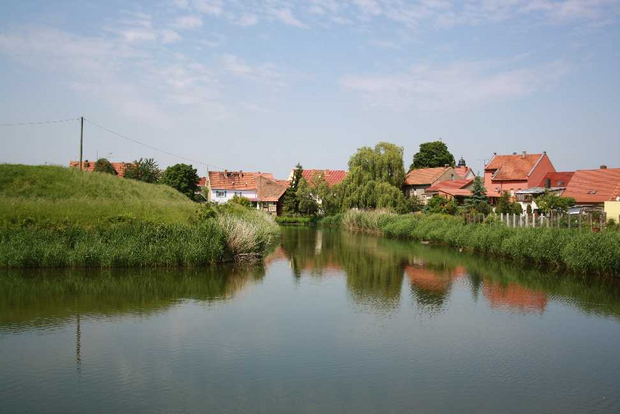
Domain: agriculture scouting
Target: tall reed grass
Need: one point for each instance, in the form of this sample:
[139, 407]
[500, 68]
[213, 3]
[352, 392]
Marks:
[583, 252]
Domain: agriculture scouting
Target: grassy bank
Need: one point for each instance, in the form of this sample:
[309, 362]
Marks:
[583, 252]
[56, 217]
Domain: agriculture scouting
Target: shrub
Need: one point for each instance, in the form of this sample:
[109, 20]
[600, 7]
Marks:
[104, 166]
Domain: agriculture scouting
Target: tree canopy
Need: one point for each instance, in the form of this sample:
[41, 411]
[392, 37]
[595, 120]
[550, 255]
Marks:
[183, 178]
[549, 202]
[144, 169]
[291, 204]
[478, 202]
[104, 166]
[432, 154]
[506, 206]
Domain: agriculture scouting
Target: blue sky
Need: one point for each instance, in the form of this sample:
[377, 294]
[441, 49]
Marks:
[262, 85]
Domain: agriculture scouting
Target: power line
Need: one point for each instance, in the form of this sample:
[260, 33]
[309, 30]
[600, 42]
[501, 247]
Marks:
[40, 122]
[150, 146]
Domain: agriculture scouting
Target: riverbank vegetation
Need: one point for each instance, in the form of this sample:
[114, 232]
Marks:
[582, 252]
[58, 217]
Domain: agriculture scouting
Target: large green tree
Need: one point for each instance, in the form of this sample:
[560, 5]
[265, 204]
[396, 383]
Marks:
[306, 202]
[507, 206]
[144, 169]
[183, 178]
[550, 202]
[432, 154]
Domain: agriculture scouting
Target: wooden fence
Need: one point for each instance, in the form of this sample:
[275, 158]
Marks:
[582, 221]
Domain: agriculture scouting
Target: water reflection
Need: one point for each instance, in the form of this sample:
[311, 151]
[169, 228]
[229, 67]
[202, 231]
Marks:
[376, 267]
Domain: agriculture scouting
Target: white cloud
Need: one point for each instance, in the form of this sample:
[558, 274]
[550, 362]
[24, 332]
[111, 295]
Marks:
[247, 20]
[266, 73]
[213, 7]
[286, 17]
[187, 22]
[457, 86]
[169, 36]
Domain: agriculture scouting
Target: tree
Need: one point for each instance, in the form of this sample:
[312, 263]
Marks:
[432, 154]
[507, 206]
[183, 178]
[242, 201]
[478, 202]
[104, 166]
[440, 205]
[306, 203]
[290, 203]
[144, 169]
[550, 202]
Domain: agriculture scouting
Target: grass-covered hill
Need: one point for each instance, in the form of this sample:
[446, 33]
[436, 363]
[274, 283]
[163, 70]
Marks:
[50, 195]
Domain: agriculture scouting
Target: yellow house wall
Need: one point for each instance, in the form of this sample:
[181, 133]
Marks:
[612, 208]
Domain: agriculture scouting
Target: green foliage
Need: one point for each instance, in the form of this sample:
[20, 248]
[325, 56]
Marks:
[478, 202]
[102, 165]
[432, 154]
[550, 202]
[183, 178]
[506, 206]
[440, 205]
[332, 221]
[583, 252]
[306, 203]
[296, 220]
[144, 169]
[242, 201]
[290, 203]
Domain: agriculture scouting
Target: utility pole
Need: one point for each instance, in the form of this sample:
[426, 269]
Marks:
[81, 139]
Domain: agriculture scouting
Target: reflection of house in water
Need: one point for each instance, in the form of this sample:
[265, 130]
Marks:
[515, 297]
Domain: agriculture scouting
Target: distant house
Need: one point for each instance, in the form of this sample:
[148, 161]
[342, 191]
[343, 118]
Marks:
[464, 171]
[511, 173]
[457, 190]
[552, 182]
[89, 166]
[262, 189]
[592, 188]
[419, 180]
[332, 177]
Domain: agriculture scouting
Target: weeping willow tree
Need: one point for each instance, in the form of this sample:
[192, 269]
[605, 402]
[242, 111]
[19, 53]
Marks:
[375, 179]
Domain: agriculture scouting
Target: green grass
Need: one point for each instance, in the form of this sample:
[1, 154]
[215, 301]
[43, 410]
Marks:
[582, 252]
[52, 195]
[57, 217]
[296, 220]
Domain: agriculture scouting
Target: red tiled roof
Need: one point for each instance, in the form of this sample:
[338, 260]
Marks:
[594, 186]
[235, 180]
[463, 171]
[202, 181]
[332, 177]
[512, 167]
[558, 179]
[465, 192]
[422, 176]
[270, 190]
[450, 184]
[89, 166]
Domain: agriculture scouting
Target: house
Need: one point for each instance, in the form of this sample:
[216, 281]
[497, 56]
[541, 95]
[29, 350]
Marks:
[511, 173]
[332, 177]
[457, 190]
[464, 171]
[270, 194]
[552, 182]
[89, 166]
[418, 180]
[262, 189]
[592, 188]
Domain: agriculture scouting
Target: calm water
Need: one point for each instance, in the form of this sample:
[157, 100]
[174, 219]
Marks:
[330, 323]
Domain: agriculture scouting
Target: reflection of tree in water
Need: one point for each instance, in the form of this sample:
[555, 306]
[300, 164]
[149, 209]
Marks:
[374, 276]
[31, 298]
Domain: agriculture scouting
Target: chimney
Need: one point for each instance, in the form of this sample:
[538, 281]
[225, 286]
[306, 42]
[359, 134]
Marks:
[603, 167]
[514, 153]
[241, 173]
[225, 173]
[523, 155]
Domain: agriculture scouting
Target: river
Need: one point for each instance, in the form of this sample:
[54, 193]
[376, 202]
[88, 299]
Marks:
[329, 323]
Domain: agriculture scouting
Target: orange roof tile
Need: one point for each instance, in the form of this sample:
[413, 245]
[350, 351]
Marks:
[450, 184]
[270, 190]
[235, 180]
[512, 167]
[558, 179]
[594, 186]
[332, 177]
[463, 171]
[89, 166]
[422, 176]
[202, 181]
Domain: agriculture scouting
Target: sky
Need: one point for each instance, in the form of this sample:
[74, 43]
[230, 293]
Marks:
[262, 85]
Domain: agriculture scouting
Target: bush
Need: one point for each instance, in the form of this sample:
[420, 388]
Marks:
[296, 220]
[242, 201]
[104, 166]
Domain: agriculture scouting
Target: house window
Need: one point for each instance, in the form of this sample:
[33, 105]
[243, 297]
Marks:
[238, 193]
[220, 194]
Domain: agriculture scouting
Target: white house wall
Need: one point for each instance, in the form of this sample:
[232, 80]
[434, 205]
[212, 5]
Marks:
[229, 194]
